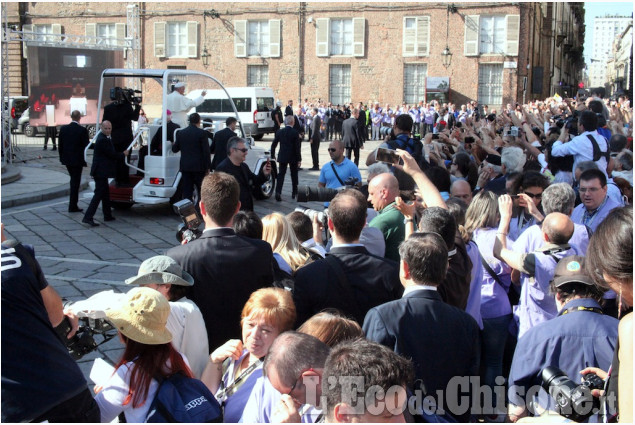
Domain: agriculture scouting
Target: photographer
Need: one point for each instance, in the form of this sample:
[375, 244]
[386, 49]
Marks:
[578, 337]
[121, 113]
[40, 380]
[588, 146]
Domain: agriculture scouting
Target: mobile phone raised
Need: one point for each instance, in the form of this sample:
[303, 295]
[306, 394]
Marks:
[388, 156]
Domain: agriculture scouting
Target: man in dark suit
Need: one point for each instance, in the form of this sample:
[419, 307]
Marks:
[442, 340]
[349, 278]
[73, 140]
[289, 155]
[156, 145]
[195, 156]
[226, 267]
[289, 109]
[104, 166]
[315, 139]
[121, 113]
[219, 146]
[350, 136]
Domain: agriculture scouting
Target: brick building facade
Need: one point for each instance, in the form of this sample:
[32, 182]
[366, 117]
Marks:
[344, 51]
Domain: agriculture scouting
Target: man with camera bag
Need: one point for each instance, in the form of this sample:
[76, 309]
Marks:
[40, 380]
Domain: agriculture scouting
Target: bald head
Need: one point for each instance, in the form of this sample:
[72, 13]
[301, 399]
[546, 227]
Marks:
[382, 190]
[461, 189]
[557, 228]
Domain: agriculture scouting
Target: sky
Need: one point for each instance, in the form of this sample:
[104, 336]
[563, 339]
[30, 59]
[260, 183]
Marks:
[593, 9]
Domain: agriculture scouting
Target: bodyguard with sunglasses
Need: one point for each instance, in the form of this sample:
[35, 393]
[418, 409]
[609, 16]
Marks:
[339, 169]
[235, 165]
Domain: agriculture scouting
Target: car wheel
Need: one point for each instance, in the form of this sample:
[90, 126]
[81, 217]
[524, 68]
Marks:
[265, 190]
[29, 131]
[91, 131]
[119, 205]
[258, 137]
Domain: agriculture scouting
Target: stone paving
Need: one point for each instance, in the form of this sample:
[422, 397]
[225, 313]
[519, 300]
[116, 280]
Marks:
[79, 261]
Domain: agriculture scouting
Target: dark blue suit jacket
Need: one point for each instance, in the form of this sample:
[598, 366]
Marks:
[442, 340]
[104, 158]
[289, 140]
[194, 146]
[73, 139]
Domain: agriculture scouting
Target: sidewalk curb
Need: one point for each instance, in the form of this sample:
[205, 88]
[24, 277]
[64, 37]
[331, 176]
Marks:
[43, 195]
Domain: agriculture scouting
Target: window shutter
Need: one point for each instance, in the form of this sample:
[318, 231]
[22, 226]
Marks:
[359, 36]
[120, 32]
[240, 39]
[55, 29]
[159, 39]
[409, 37]
[323, 29]
[192, 39]
[26, 28]
[471, 35]
[513, 30]
[423, 36]
[274, 38]
[91, 33]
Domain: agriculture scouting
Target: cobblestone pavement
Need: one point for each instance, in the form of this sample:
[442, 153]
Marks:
[79, 261]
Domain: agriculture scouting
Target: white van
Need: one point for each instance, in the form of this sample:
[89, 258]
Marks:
[254, 104]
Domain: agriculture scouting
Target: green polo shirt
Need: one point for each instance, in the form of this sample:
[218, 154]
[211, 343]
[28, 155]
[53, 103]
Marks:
[390, 222]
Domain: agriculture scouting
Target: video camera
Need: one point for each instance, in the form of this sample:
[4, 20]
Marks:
[125, 95]
[83, 342]
[189, 229]
[573, 401]
[324, 194]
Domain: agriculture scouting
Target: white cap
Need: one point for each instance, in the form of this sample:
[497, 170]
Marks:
[278, 103]
[179, 85]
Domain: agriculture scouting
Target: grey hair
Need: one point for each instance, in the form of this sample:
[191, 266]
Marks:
[513, 158]
[377, 169]
[293, 352]
[558, 197]
[233, 142]
[625, 158]
[288, 120]
[586, 165]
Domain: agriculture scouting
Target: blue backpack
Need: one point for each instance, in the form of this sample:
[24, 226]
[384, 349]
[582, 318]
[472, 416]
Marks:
[182, 399]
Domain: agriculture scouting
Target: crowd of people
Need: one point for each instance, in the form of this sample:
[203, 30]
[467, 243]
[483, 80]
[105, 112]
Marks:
[499, 244]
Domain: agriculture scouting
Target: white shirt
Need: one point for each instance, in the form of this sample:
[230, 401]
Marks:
[582, 149]
[414, 288]
[179, 104]
[189, 335]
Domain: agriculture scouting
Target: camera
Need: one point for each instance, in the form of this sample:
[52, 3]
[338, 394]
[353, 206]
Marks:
[323, 194]
[571, 124]
[386, 131]
[513, 131]
[189, 229]
[321, 216]
[83, 341]
[125, 95]
[573, 401]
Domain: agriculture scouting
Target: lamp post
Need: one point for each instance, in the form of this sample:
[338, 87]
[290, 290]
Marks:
[205, 57]
[447, 57]
[447, 54]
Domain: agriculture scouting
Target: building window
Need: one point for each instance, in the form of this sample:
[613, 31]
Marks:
[257, 75]
[341, 37]
[258, 38]
[490, 84]
[177, 39]
[340, 84]
[492, 34]
[107, 31]
[414, 82]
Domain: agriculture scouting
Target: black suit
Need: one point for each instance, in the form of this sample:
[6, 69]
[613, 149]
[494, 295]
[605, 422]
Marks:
[330, 123]
[226, 268]
[121, 116]
[105, 160]
[246, 180]
[156, 145]
[316, 137]
[195, 158]
[351, 139]
[73, 139]
[288, 111]
[289, 154]
[441, 340]
[373, 280]
[219, 147]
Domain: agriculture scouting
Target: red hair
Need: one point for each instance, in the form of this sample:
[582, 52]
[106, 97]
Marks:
[149, 361]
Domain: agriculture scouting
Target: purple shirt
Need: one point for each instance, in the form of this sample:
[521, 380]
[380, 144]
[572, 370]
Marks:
[494, 301]
[531, 239]
[473, 307]
[537, 304]
[578, 215]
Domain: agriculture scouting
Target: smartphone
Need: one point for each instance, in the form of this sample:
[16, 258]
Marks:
[388, 156]
[435, 137]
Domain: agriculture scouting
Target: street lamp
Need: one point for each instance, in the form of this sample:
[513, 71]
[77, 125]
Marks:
[447, 57]
[205, 57]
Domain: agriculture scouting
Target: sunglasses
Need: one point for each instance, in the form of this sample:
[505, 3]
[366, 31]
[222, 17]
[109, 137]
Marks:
[243, 150]
[332, 149]
[533, 195]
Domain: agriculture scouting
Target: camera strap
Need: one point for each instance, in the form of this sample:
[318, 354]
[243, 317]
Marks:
[337, 175]
[597, 153]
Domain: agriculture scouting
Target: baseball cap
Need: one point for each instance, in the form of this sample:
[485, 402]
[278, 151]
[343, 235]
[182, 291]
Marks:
[571, 270]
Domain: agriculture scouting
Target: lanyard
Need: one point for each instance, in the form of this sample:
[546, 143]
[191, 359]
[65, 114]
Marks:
[224, 393]
[581, 308]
